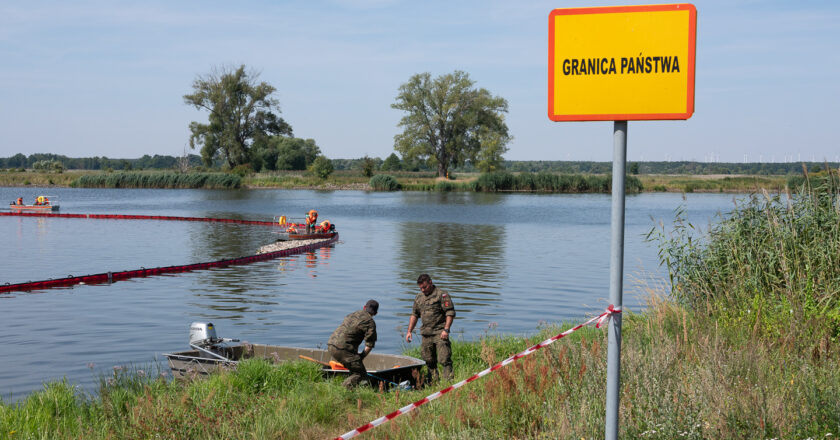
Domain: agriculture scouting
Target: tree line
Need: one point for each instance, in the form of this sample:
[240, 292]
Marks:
[393, 163]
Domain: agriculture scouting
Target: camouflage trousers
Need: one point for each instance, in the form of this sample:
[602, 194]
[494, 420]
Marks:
[351, 361]
[435, 350]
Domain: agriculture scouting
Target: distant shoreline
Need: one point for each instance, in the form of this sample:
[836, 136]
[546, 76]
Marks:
[355, 181]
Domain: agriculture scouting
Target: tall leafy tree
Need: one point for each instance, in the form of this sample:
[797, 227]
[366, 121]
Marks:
[392, 163]
[448, 122]
[241, 111]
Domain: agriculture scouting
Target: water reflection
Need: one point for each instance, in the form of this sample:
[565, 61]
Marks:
[451, 198]
[467, 260]
[245, 292]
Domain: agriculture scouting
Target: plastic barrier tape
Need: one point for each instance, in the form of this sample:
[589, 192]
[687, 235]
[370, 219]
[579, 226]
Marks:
[600, 319]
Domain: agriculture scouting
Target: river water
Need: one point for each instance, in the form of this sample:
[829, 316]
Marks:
[510, 261]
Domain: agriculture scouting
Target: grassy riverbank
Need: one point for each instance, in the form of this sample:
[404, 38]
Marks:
[407, 181]
[682, 376]
[743, 345]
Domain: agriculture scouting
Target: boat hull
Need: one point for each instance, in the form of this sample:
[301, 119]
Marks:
[34, 208]
[311, 236]
[385, 367]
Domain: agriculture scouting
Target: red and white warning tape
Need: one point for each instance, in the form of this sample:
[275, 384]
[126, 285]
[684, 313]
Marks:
[600, 319]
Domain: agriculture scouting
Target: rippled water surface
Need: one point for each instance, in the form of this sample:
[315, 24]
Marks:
[512, 260]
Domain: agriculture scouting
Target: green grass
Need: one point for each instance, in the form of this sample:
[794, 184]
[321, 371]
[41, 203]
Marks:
[682, 376]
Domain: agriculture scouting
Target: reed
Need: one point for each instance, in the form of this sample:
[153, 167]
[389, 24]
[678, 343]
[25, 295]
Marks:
[548, 182]
[773, 264]
[714, 183]
[158, 180]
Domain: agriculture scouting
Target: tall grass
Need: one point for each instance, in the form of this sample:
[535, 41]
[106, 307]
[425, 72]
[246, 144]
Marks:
[158, 180]
[548, 182]
[682, 377]
[772, 264]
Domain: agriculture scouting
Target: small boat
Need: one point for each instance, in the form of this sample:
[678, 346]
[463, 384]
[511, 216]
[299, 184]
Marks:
[299, 231]
[42, 204]
[311, 235]
[33, 208]
[210, 354]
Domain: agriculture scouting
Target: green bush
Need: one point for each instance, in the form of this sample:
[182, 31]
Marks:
[384, 182]
[321, 167]
[242, 170]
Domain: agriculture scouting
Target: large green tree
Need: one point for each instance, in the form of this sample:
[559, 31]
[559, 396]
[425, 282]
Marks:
[241, 109]
[448, 122]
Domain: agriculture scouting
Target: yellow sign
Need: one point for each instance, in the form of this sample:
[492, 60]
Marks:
[621, 63]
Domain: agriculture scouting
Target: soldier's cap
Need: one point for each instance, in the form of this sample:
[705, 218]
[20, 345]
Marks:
[372, 306]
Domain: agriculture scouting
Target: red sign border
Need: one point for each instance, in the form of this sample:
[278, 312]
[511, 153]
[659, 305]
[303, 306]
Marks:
[692, 45]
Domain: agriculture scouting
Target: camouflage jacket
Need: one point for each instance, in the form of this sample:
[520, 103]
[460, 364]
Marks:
[357, 326]
[432, 309]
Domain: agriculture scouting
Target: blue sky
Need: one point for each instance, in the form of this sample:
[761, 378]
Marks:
[106, 78]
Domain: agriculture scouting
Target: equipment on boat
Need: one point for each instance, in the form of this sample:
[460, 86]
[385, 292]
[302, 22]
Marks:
[295, 231]
[211, 354]
[42, 204]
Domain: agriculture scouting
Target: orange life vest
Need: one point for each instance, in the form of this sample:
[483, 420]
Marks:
[325, 226]
[312, 217]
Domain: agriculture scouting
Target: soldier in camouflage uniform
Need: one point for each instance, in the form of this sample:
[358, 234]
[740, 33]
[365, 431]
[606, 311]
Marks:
[435, 308]
[345, 340]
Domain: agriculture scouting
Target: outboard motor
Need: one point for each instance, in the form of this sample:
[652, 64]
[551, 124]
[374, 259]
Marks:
[203, 338]
[203, 334]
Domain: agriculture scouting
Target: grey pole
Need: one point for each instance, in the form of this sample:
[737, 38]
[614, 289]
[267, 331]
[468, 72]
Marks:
[616, 279]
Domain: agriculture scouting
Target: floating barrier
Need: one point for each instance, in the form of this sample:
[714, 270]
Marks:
[110, 277]
[600, 319]
[139, 217]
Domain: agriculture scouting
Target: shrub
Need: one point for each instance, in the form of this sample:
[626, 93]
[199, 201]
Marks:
[384, 182]
[321, 167]
[368, 166]
[242, 170]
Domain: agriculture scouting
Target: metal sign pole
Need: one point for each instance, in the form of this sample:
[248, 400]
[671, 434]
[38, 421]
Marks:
[616, 279]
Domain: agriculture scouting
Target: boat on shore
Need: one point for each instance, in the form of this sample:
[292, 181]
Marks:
[210, 355]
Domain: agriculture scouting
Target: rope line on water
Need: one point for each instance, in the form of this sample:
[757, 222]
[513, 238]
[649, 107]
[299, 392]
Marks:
[600, 321]
[140, 217]
[110, 277]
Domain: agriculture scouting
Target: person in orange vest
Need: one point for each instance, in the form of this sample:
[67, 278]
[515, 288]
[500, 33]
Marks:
[311, 220]
[325, 226]
[46, 200]
[20, 201]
